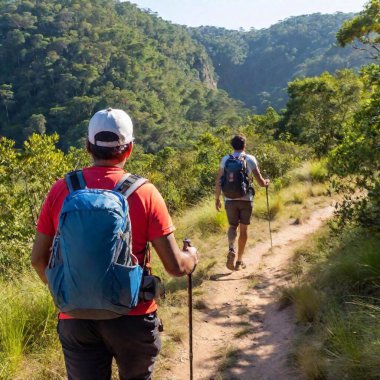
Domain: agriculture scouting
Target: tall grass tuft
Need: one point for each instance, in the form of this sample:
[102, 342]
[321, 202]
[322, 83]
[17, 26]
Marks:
[276, 205]
[352, 341]
[346, 270]
[307, 301]
[296, 194]
[310, 359]
[312, 171]
[202, 219]
[358, 270]
[27, 321]
[318, 171]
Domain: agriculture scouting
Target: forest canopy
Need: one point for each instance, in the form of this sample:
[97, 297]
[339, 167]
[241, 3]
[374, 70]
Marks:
[62, 60]
[255, 66]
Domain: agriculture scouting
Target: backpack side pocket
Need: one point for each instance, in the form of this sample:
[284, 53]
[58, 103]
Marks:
[55, 280]
[122, 285]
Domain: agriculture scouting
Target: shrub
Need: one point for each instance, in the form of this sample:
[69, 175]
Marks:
[318, 171]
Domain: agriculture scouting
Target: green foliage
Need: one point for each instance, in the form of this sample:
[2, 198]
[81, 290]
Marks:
[276, 204]
[62, 61]
[319, 171]
[277, 158]
[365, 28]
[320, 108]
[25, 178]
[358, 157]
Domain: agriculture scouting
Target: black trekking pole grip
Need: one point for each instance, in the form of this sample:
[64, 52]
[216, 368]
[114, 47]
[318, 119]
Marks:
[187, 243]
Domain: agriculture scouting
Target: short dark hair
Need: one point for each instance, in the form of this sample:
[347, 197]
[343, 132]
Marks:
[238, 142]
[105, 152]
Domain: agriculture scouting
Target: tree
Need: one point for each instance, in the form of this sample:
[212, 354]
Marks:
[356, 160]
[64, 59]
[6, 97]
[319, 109]
[364, 28]
[36, 124]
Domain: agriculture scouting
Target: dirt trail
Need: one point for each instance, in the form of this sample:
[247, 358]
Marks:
[242, 315]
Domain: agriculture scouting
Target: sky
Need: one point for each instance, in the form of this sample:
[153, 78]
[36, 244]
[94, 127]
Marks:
[246, 14]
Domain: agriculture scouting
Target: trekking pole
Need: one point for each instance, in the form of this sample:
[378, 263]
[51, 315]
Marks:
[187, 243]
[270, 231]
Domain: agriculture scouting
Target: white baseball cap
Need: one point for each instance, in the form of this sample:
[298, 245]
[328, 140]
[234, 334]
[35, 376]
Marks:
[111, 120]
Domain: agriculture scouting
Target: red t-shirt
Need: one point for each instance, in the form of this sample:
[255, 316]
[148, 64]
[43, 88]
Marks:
[150, 218]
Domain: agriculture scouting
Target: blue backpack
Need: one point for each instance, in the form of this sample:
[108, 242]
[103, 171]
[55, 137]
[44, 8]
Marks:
[92, 273]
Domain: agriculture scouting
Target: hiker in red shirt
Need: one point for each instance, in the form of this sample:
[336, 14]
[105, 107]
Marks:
[89, 345]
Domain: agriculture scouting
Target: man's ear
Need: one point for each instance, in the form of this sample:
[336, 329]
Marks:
[128, 152]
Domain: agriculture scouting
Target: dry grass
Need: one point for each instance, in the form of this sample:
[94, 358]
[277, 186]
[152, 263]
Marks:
[309, 359]
[243, 332]
[227, 357]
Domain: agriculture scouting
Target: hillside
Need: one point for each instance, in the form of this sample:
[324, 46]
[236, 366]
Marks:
[256, 66]
[61, 60]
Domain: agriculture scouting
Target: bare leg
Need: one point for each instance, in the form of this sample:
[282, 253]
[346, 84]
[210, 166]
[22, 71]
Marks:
[243, 236]
[232, 234]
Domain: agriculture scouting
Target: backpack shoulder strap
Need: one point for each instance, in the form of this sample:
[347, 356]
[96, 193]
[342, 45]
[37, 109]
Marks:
[243, 158]
[129, 183]
[75, 180]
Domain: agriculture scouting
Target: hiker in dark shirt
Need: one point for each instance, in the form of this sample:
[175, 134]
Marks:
[132, 340]
[239, 208]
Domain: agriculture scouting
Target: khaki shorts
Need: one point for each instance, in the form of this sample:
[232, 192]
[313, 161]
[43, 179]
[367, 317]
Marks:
[238, 212]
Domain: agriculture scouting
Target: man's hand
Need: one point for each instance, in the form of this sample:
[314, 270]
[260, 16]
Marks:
[218, 204]
[266, 182]
[177, 262]
[192, 251]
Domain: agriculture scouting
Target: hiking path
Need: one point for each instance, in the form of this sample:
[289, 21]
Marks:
[241, 333]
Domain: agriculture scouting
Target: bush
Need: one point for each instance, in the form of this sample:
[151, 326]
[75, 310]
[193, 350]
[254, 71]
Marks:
[277, 159]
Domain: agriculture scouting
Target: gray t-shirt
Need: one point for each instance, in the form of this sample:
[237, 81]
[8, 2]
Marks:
[251, 166]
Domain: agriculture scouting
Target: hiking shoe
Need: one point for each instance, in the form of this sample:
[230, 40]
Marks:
[230, 264]
[240, 265]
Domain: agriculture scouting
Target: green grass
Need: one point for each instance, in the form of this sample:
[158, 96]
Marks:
[201, 220]
[307, 301]
[27, 322]
[338, 301]
[276, 204]
[312, 171]
[310, 360]
[318, 171]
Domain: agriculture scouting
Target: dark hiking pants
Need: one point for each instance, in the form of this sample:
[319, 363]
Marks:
[89, 346]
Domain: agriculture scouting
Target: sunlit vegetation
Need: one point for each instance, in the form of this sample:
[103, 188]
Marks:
[62, 60]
